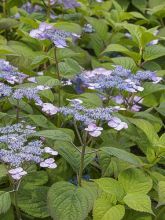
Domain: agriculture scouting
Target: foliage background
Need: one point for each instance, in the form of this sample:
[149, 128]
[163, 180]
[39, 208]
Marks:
[127, 174]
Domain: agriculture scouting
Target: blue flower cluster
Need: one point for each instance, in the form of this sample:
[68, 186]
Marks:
[57, 36]
[119, 78]
[29, 93]
[88, 115]
[16, 149]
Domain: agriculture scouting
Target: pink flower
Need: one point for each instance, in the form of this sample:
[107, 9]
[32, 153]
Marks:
[117, 124]
[49, 163]
[17, 173]
[93, 130]
[49, 108]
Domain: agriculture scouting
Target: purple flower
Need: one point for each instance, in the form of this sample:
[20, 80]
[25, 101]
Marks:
[29, 8]
[117, 124]
[49, 163]
[17, 173]
[93, 130]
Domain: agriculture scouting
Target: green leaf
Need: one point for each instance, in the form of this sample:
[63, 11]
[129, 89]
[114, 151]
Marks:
[139, 202]
[9, 215]
[7, 23]
[47, 81]
[135, 215]
[139, 34]
[111, 186]
[103, 210]
[5, 201]
[72, 155]
[63, 134]
[24, 55]
[69, 68]
[135, 181]
[122, 49]
[33, 179]
[41, 121]
[3, 173]
[90, 100]
[5, 50]
[150, 88]
[126, 62]
[38, 60]
[122, 155]
[141, 5]
[161, 193]
[99, 25]
[69, 202]
[68, 26]
[33, 201]
[161, 109]
[153, 52]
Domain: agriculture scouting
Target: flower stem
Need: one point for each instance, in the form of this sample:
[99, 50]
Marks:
[78, 133]
[59, 88]
[4, 8]
[58, 76]
[81, 165]
[18, 213]
[48, 10]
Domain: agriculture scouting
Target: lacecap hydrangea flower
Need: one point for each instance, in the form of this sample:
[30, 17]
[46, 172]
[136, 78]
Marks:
[67, 4]
[17, 149]
[120, 78]
[57, 36]
[10, 73]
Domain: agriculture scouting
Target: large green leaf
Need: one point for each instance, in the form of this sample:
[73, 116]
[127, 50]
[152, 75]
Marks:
[7, 23]
[126, 62]
[69, 202]
[135, 181]
[33, 201]
[68, 26]
[161, 193]
[139, 202]
[147, 128]
[111, 186]
[153, 52]
[122, 155]
[41, 121]
[150, 88]
[99, 25]
[33, 179]
[5, 201]
[105, 210]
[121, 49]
